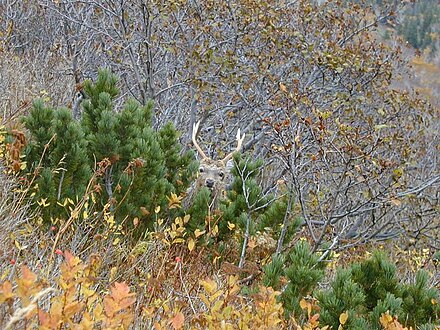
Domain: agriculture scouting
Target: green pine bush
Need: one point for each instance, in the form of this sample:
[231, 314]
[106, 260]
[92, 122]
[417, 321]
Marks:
[57, 156]
[143, 166]
[420, 302]
[343, 296]
[303, 270]
[246, 204]
[370, 288]
[377, 277]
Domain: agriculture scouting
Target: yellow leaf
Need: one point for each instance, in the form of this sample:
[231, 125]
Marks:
[204, 299]
[381, 126]
[113, 273]
[215, 231]
[144, 210]
[17, 245]
[198, 232]
[231, 226]
[42, 202]
[217, 305]
[74, 214]
[174, 201]
[252, 243]
[157, 209]
[191, 244]
[209, 285]
[386, 319]
[5, 274]
[343, 318]
[303, 304]
[397, 174]
[216, 258]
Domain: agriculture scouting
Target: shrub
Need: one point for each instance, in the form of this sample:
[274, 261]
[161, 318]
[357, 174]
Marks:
[369, 289]
[138, 167]
[303, 270]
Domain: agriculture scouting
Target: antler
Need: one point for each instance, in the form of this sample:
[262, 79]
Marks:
[194, 133]
[240, 140]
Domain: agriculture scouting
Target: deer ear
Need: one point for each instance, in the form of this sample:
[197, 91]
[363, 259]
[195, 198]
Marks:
[229, 164]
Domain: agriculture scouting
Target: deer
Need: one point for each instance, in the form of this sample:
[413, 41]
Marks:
[213, 174]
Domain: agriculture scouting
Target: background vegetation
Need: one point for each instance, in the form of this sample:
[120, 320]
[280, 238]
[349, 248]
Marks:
[331, 219]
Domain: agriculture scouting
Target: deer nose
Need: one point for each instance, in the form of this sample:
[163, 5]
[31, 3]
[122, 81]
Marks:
[209, 183]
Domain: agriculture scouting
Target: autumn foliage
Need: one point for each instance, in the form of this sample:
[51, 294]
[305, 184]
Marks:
[74, 302]
[328, 219]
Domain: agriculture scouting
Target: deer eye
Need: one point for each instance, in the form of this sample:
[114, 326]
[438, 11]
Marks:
[222, 175]
[201, 170]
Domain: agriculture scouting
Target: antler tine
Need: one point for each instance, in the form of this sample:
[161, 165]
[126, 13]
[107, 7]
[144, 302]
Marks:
[240, 140]
[194, 134]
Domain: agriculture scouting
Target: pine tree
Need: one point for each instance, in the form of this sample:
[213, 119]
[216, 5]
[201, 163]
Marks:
[246, 206]
[344, 296]
[420, 303]
[179, 167]
[146, 166]
[56, 154]
[370, 288]
[200, 210]
[70, 149]
[39, 125]
[143, 167]
[273, 272]
[377, 277]
[390, 304]
[99, 119]
[303, 270]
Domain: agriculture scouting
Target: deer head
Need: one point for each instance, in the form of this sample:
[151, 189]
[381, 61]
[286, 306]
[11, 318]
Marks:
[214, 174]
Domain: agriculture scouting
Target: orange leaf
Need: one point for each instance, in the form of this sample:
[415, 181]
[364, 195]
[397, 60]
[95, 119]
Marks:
[177, 321]
[6, 292]
[304, 304]
[283, 88]
[120, 298]
[48, 321]
[27, 274]
[71, 260]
